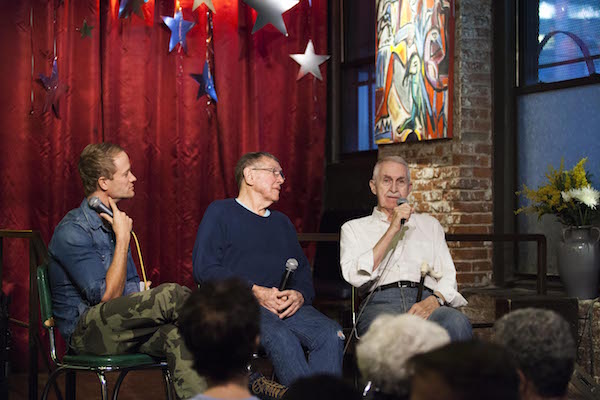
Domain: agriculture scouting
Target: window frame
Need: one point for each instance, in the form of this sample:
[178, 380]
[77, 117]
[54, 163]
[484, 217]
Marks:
[339, 64]
[527, 14]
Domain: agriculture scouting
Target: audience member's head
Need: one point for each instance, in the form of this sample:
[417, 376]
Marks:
[464, 371]
[321, 387]
[390, 341]
[544, 348]
[220, 325]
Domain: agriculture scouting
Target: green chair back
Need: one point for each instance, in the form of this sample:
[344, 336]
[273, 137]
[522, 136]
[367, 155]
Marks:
[45, 296]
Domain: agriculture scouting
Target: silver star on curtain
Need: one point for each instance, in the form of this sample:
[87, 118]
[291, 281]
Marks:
[309, 61]
[269, 12]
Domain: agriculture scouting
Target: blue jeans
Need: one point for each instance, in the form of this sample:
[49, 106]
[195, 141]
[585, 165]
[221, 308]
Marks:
[285, 341]
[400, 300]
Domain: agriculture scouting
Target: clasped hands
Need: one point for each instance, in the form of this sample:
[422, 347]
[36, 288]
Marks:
[283, 303]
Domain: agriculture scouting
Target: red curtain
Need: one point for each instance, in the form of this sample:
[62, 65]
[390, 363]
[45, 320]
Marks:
[125, 87]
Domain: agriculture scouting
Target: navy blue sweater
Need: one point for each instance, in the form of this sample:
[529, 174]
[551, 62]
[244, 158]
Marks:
[233, 241]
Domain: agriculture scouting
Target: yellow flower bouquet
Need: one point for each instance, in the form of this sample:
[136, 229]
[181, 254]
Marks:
[567, 194]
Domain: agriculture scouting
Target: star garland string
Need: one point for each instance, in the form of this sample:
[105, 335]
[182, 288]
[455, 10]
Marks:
[54, 88]
[205, 80]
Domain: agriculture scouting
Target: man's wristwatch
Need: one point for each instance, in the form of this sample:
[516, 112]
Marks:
[439, 299]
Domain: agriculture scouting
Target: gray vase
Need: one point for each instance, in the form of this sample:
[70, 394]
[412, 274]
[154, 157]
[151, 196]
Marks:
[579, 261]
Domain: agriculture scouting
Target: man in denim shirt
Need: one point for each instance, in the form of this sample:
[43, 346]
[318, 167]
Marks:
[98, 306]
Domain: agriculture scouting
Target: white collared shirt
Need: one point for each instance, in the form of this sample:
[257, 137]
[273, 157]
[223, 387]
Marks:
[422, 240]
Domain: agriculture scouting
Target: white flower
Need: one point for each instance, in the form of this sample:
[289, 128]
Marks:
[566, 196]
[587, 195]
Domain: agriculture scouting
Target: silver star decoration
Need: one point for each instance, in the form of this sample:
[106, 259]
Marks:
[269, 12]
[309, 61]
[209, 4]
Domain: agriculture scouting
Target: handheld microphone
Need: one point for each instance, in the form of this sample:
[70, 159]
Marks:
[290, 266]
[400, 201]
[98, 206]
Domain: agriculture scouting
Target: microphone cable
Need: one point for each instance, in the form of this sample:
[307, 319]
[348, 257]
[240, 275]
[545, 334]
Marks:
[371, 292]
[97, 205]
[139, 252]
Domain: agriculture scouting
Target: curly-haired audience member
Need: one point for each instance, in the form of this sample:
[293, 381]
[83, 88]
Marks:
[543, 346]
[390, 341]
[470, 370]
[220, 326]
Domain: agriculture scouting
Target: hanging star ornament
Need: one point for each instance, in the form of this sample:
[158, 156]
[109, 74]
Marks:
[128, 6]
[208, 3]
[54, 90]
[269, 12]
[207, 85]
[86, 30]
[179, 28]
[309, 62]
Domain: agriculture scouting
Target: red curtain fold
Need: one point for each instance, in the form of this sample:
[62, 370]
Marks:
[125, 87]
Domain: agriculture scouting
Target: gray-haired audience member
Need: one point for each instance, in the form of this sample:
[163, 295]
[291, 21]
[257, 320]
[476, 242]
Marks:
[543, 346]
[391, 340]
[470, 370]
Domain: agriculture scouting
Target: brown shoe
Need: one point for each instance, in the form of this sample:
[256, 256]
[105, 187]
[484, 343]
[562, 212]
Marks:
[264, 388]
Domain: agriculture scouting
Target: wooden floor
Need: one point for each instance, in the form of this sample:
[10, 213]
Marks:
[139, 385]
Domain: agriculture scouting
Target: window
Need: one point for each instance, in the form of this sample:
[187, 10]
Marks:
[358, 76]
[560, 40]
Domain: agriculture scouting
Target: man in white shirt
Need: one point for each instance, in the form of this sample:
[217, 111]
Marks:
[385, 252]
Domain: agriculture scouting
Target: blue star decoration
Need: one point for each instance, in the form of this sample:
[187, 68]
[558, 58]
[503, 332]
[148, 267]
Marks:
[128, 6]
[179, 28]
[310, 62]
[205, 80]
[54, 90]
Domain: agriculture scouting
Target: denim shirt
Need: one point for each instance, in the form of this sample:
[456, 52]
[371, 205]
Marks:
[81, 250]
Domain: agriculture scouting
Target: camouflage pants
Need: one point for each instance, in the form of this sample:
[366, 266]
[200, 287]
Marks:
[144, 322]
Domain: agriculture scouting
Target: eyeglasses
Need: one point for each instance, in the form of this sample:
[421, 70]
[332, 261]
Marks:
[387, 181]
[274, 171]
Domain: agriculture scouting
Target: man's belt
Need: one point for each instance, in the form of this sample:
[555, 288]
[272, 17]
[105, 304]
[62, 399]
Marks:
[402, 284]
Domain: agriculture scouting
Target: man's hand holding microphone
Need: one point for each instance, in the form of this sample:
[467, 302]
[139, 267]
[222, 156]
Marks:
[397, 218]
[400, 215]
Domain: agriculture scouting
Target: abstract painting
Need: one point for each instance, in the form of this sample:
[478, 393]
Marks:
[414, 68]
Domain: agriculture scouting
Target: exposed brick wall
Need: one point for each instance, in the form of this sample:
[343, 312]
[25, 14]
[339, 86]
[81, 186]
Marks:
[452, 179]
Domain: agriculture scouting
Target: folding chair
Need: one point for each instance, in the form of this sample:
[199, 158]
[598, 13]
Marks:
[87, 362]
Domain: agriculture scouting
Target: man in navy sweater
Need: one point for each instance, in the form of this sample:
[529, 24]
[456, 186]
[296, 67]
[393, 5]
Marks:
[241, 237]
